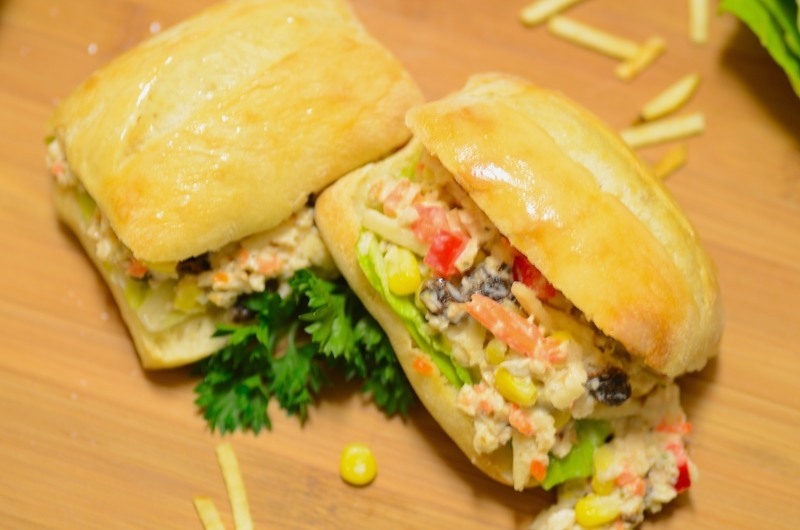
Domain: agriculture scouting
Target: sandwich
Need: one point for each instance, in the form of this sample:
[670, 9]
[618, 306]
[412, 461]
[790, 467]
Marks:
[188, 166]
[541, 290]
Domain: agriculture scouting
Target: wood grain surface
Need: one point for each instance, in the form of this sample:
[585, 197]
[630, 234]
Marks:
[90, 441]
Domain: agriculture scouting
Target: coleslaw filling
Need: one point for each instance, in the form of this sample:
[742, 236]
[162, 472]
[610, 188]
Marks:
[578, 411]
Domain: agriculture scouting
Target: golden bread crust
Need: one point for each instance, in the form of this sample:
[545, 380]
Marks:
[338, 215]
[223, 125]
[571, 196]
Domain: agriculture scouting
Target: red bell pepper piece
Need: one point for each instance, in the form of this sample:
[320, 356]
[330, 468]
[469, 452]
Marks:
[443, 253]
[527, 273]
[684, 479]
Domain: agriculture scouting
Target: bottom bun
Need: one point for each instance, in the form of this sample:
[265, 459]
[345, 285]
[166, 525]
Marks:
[183, 343]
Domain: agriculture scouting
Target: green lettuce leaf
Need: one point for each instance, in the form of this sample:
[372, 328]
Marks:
[372, 264]
[775, 23]
[579, 461]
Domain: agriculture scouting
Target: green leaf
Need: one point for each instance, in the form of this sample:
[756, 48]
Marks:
[232, 397]
[239, 380]
[579, 461]
[784, 12]
[296, 378]
[372, 264]
[330, 325]
[775, 24]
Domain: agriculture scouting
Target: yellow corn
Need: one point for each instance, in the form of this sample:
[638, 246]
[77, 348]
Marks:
[165, 267]
[519, 390]
[560, 418]
[496, 351]
[357, 464]
[596, 510]
[602, 459]
[602, 487]
[562, 336]
[186, 295]
[403, 271]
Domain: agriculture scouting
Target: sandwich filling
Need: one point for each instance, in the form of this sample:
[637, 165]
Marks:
[165, 294]
[578, 411]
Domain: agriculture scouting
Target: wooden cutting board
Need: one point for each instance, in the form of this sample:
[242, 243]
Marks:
[88, 440]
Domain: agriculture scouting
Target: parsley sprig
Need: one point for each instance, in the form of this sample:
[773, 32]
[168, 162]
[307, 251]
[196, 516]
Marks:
[282, 352]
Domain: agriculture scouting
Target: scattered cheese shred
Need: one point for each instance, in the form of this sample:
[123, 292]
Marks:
[207, 511]
[541, 10]
[592, 38]
[647, 54]
[672, 160]
[671, 98]
[664, 130]
[229, 466]
[698, 21]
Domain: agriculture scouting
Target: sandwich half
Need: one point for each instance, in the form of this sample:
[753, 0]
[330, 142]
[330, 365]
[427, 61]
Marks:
[541, 290]
[187, 167]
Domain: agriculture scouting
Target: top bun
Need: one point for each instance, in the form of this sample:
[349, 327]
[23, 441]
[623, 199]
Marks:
[223, 125]
[570, 195]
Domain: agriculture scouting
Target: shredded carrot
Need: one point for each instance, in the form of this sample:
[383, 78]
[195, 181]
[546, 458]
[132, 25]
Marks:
[520, 421]
[269, 265]
[628, 478]
[538, 470]
[683, 428]
[678, 451]
[221, 277]
[243, 255]
[395, 197]
[136, 269]
[57, 169]
[485, 406]
[422, 366]
[515, 330]
[551, 351]
[374, 191]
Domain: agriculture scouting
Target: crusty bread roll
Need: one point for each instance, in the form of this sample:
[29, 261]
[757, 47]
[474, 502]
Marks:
[222, 127]
[583, 207]
[570, 196]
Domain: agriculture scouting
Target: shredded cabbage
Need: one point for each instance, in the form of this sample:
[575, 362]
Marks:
[372, 264]
[579, 461]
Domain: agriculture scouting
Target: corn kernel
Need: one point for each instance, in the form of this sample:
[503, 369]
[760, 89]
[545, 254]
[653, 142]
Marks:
[603, 458]
[562, 336]
[602, 487]
[403, 271]
[186, 295]
[496, 351]
[164, 267]
[357, 464]
[595, 510]
[560, 418]
[519, 390]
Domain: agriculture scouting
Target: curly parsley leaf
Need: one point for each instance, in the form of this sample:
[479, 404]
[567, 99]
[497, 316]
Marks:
[239, 381]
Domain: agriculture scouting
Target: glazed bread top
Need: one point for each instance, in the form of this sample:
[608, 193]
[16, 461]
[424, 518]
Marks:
[223, 125]
[570, 195]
